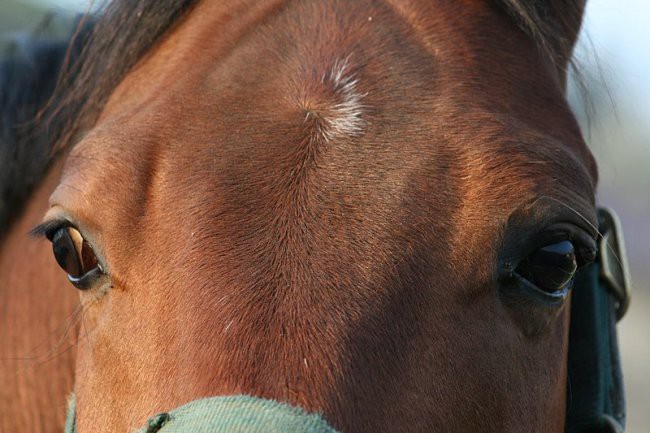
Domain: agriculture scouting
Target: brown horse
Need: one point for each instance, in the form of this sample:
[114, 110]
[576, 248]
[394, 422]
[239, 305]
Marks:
[370, 209]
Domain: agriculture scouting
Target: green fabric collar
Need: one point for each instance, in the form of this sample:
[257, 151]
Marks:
[241, 413]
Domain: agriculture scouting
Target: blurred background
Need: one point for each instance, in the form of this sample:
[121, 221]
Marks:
[613, 56]
[613, 107]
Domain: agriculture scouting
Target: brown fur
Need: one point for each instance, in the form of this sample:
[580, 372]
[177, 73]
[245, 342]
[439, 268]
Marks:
[357, 275]
[39, 315]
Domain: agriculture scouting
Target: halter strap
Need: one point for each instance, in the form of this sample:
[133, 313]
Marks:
[595, 394]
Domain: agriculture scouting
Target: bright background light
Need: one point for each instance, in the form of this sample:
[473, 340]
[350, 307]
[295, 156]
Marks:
[615, 50]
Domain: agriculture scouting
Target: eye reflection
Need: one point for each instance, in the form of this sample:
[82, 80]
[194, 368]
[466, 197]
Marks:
[550, 268]
[73, 253]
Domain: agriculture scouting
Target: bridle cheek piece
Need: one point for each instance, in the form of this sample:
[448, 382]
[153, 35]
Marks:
[595, 394]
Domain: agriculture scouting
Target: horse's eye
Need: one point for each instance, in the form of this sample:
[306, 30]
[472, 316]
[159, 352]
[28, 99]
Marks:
[75, 256]
[550, 268]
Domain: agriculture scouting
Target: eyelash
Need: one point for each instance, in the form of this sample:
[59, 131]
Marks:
[48, 228]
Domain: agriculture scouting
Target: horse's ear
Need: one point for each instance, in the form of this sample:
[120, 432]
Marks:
[554, 24]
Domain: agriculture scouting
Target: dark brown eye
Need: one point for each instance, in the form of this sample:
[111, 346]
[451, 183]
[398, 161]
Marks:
[75, 256]
[550, 268]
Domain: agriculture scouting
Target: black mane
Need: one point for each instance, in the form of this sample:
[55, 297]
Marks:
[49, 89]
[28, 76]
[29, 73]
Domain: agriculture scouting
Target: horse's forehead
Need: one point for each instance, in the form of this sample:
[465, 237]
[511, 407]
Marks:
[224, 102]
[328, 69]
[275, 49]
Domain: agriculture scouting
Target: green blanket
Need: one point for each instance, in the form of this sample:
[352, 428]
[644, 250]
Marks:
[230, 414]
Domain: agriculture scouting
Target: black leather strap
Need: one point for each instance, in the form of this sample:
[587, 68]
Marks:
[595, 394]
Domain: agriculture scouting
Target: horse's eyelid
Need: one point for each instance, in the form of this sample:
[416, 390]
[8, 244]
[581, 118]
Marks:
[46, 228]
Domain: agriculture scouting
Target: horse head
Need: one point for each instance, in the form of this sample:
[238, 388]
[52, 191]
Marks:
[371, 210]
